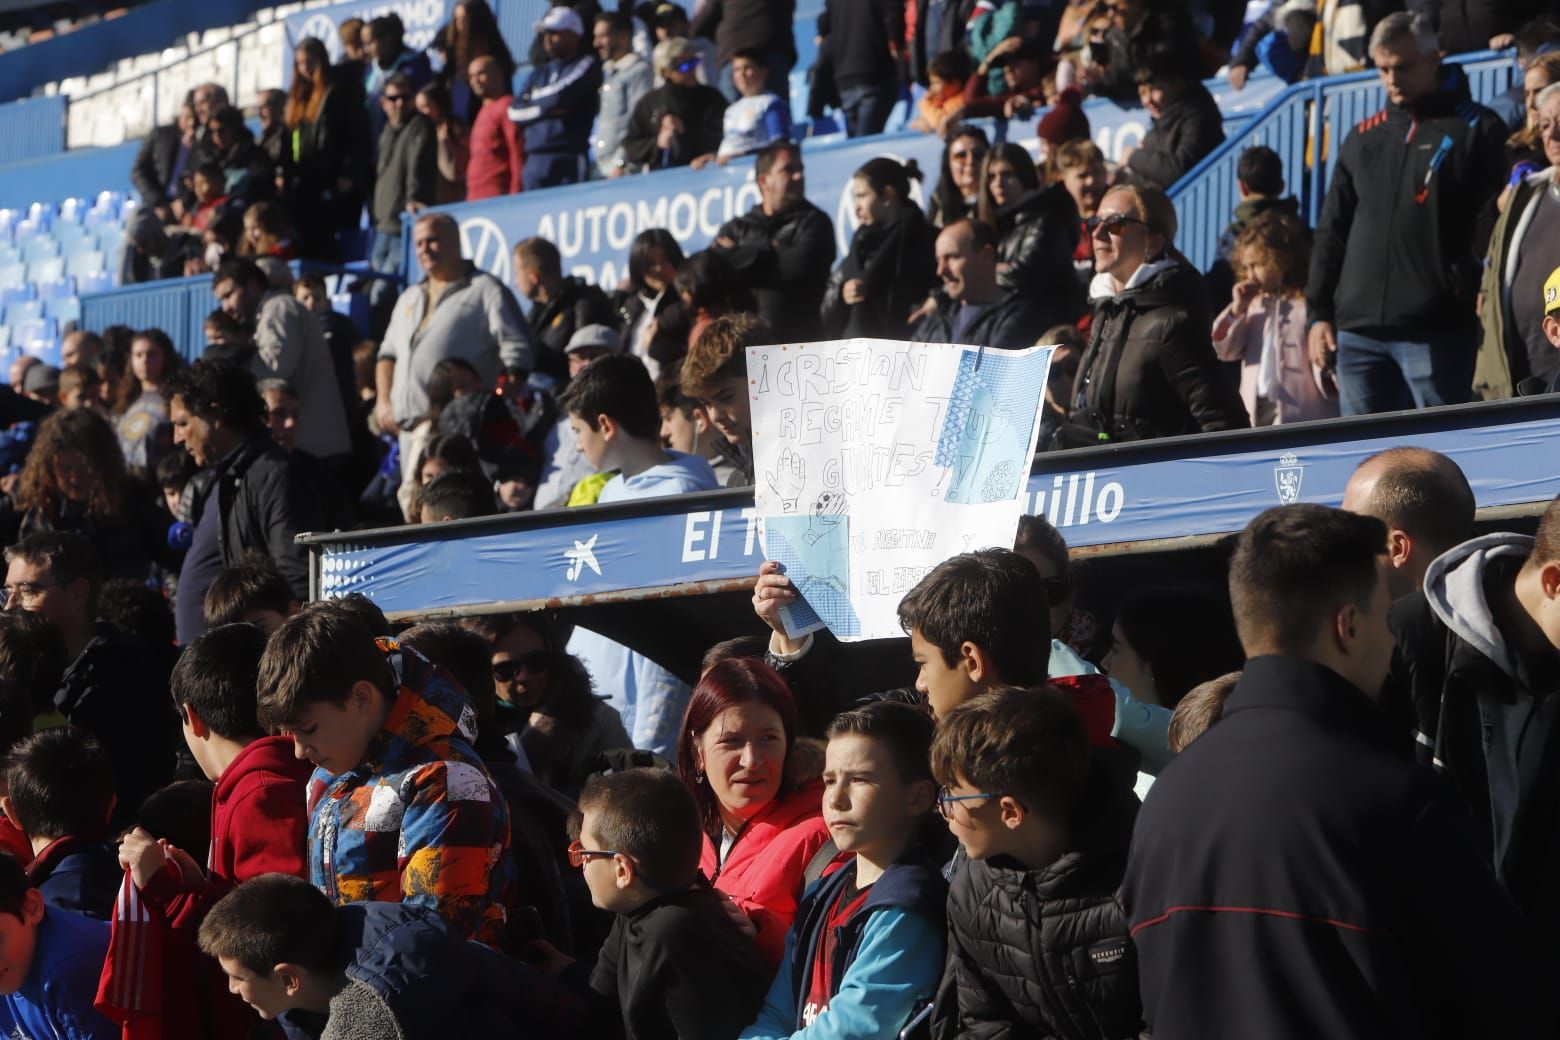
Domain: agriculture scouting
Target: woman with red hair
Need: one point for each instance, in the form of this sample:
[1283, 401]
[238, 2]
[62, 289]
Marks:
[760, 830]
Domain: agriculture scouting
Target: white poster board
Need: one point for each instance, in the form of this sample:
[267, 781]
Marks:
[876, 460]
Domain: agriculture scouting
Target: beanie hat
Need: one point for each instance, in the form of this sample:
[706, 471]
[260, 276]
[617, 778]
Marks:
[1065, 122]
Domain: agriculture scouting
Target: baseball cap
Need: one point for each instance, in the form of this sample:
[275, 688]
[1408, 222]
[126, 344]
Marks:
[594, 336]
[669, 12]
[41, 379]
[1552, 292]
[561, 19]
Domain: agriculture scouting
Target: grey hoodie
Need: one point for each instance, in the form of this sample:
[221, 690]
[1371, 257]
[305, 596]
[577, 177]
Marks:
[1515, 731]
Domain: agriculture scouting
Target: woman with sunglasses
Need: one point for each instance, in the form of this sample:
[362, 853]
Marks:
[958, 185]
[891, 265]
[546, 706]
[1039, 232]
[1149, 370]
[762, 826]
[679, 124]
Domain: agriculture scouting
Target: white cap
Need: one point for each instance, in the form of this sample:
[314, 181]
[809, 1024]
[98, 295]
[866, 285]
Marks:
[561, 19]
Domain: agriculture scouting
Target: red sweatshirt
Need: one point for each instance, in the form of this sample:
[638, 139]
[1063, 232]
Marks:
[259, 824]
[497, 153]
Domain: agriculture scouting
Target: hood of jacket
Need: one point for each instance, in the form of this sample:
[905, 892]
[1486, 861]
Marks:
[267, 755]
[1454, 591]
[679, 473]
[1249, 209]
[429, 708]
[1150, 285]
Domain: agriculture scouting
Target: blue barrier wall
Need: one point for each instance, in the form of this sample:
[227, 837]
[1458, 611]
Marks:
[83, 172]
[178, 306]
[1295, 123]
[94, 48]
[32, 128]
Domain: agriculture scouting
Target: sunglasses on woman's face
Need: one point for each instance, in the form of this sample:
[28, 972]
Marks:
[968, 155]
[535, 661]
[1111, 224]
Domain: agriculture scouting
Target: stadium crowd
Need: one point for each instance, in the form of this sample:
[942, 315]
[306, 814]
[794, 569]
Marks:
[1311, 798]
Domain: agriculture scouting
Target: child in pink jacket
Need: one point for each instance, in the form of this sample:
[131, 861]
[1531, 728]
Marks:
[1265, 324]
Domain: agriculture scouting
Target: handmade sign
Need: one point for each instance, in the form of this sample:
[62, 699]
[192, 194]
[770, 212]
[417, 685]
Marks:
[876, 460]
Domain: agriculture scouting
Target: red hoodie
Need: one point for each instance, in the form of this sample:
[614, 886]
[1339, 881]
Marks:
[259, 824]
[763, 870]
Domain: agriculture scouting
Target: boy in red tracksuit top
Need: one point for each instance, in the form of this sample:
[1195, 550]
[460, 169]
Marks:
[259, 810]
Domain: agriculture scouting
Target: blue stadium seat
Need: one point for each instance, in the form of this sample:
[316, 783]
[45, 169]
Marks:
[109, 201]
[110, 238]
[37, 328]
[40, 248]
[87, 243]
[5, 339]
[72, 210]
[9, 255]
[45, 349]
[15, 293]
[42, 212]
[96, 282]
[99, 217]
[12, 275]
[64, 309]
[57, 290]
[23, 311]
[68, 234]
[50, 270]
[27, 229]
[85, 263]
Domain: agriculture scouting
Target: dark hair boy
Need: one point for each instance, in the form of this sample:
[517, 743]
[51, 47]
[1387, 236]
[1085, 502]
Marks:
[1046, 833]
[60, 787]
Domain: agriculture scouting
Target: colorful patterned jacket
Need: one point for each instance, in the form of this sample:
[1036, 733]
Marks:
[419, 821]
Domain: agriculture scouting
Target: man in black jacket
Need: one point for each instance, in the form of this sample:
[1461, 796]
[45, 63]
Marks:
[113, 687]
[1395, 269]
[560, 306]
[783, 247]
[971, 306]
[251, 500]
[679, 124]
[1478, 660]
[1291, 875]
[162, 162]
[863, 39]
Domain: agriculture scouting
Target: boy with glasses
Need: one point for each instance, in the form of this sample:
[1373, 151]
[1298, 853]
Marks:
[675, 963]
[1037, 943]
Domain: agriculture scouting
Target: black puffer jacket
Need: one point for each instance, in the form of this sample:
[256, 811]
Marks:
[898, 263]
[1039, 235]
[1013, 322]
[703, 112]
[1188, 129]
[265, 502]
[785, 259]
[1150, 370]
[1047, 952]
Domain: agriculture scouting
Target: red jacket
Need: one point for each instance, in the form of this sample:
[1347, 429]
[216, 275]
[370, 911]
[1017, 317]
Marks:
[763, 870]
[259, 824]
[497, 153]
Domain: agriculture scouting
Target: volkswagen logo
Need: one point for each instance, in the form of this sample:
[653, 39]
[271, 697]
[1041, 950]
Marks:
[323, 28]
[845, 214]
[484, 244]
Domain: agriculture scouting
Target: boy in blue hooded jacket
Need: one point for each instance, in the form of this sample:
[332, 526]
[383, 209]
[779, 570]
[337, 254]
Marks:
[866, 949]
